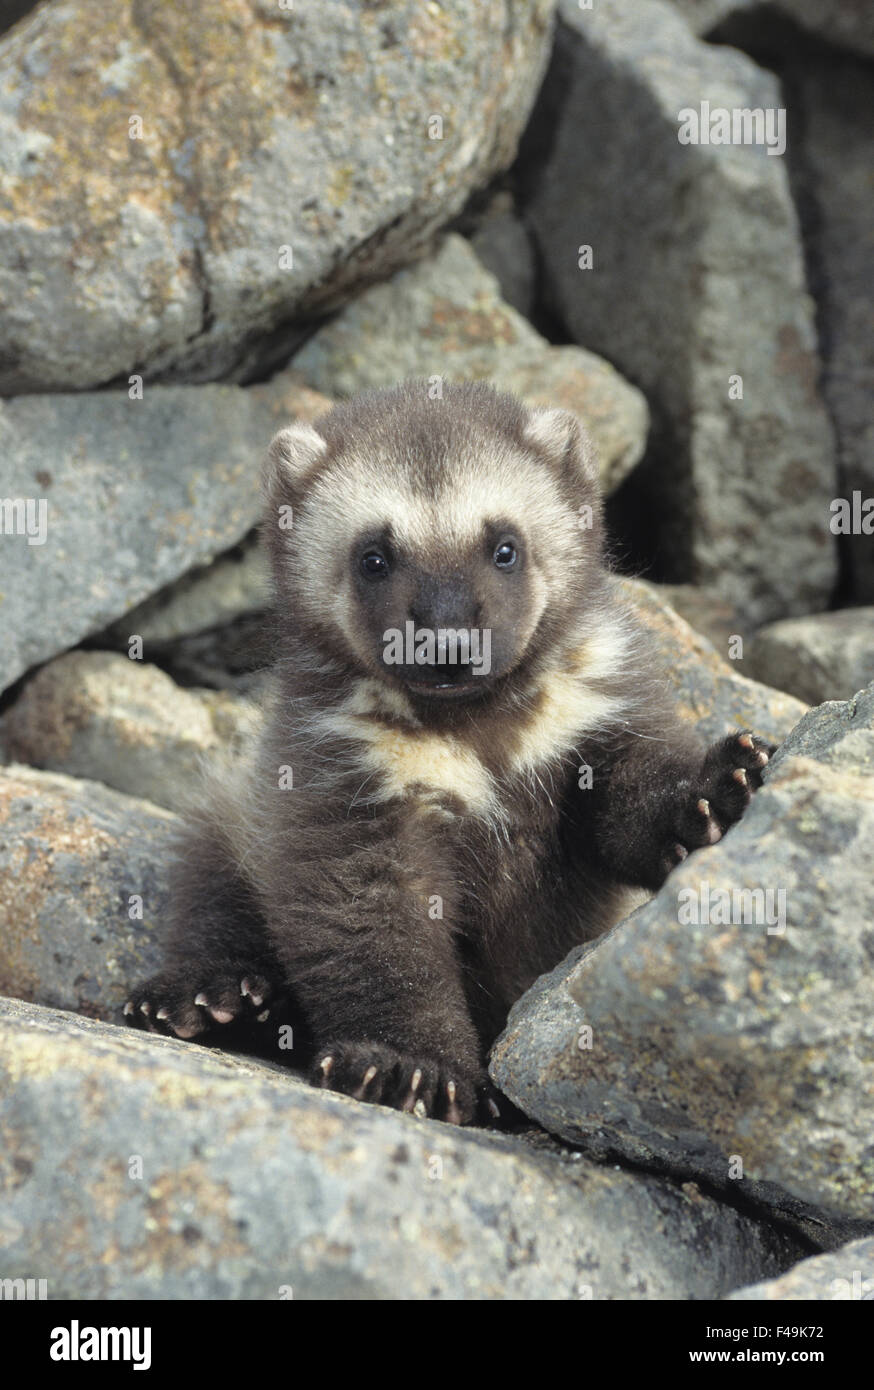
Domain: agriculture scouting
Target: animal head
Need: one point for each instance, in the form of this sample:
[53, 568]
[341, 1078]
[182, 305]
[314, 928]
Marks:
[397, 516]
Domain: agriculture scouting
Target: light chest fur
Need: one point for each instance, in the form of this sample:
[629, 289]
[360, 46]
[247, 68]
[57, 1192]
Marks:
[400, 759]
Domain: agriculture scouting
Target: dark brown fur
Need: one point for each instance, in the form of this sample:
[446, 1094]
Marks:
[318, 903]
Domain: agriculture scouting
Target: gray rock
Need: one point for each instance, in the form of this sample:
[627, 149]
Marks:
[849, 23]
[136, 493]
[445, 318]
[503, 245]
[83, 890]
[234, 656]
[139, 1167]
[741, 1053]
[840, 1276]
[233, 586]
[286, 156]
[828, 656]
[833, 97]
[715, 618]
[698, 277]
[126, 724]
[14, 10]
[708, 691]
[838, 734]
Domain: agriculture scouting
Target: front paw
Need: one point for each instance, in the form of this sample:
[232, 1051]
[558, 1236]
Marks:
[730, 773]
[421, 1085]
[187, 1003]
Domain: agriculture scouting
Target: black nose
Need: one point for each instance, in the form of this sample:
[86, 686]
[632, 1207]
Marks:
[444, 603]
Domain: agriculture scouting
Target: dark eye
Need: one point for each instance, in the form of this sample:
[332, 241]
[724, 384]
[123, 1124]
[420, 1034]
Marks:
[505, 556]
[373, 564]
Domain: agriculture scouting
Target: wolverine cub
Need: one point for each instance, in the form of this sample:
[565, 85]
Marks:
[431, 821]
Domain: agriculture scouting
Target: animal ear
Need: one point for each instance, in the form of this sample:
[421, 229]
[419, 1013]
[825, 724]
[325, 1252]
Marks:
[561, 436]
[292, 454]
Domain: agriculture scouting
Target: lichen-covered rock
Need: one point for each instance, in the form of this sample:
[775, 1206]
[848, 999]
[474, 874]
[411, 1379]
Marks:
[445, 318]
[127, 495]
[709, 692]
[697, 279]
[827, 656]
[840, 1276]
[83, 890]
[124, 723]
[732, 1034]
[178, 180]
[139, 1167]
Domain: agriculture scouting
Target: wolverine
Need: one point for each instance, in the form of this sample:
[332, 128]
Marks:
[419, 832]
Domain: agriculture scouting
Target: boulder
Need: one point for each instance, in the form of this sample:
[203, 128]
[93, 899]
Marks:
[841, 1275]
[697, 280]
[445, 318]
[827, 656]
[831, 98]
[126, 724]
[236, 585]
[234, 656]
[714, 617]
[139, 1167]
[109, 499]
[504, 246]
[707, 689]
[83, 890]
[724, 1031]
[180, 182]
[848, 23]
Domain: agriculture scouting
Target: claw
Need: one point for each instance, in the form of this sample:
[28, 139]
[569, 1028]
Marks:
[162, 1014]
[128, 1008]
[146, 1008]
[740, 776]
[246, 991]
[415, 1083]
[746, 741]
[453, 1114]
[713, 831]
[326, 1066]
